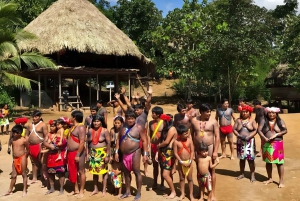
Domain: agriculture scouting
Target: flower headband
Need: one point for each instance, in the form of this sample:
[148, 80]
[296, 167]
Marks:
[21, 120]
[165, 117]
[51, 122]
[272, 109]
[245, 107]
[66, 120]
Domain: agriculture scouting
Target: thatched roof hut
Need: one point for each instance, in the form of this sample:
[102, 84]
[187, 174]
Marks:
[77, 25]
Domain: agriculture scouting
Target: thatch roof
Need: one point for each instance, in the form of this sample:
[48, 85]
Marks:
[281, 71]
[78, 25]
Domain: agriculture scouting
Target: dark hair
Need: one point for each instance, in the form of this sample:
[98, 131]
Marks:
[266, 126]
[130, 113]
[94, 107]
[36, 113]
[138, 106]
[181, 129]
[167, 126]
[60, 121]
[180, 107]
[189, 101]
[100, 101]
[4, 105]
[120, 119]
[256, 102]
[203, 147]
[99, 118]
[204, 107]
[77, 115]
[242, 99]
[17, 129]
[224, 100]
[157, 110]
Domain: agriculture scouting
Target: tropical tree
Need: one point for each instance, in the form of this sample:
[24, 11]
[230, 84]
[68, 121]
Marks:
[12, 60]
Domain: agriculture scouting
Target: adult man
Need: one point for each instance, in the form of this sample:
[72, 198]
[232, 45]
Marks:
[89, 119]
[259, 118]
[206, 130]
[181, 118]
[76, 152]
[138, 110]
[102, 111]
[191, 112]
[129, 145]
[36, 134]
[155, 128]
[224, 115]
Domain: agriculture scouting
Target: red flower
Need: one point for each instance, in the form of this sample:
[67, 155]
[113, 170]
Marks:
[165, 117]
[51, 122]
[245, 108]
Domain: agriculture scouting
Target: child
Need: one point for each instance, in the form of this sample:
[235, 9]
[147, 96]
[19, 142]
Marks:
[116, 177]
[204, 162]
[20, 148]
[184, 152]
[114, 132]
[57, 138]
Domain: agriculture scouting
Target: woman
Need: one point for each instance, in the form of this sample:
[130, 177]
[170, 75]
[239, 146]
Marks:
[245, 129]
[4, 121]
[99, 142]
[166, 156]
[54, 166]
[271, 132]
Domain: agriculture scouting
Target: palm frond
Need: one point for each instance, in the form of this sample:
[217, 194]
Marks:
[12, 64]
[8, 14]
[8, 49]
[22, 35]
[7, 35]
[36, 60]
[18, 81]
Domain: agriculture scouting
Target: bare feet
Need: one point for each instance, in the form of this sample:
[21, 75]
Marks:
[137, 197]
[223, 156]
[252, 180]
[73, 193]
[181, 198]
[268, 181]
[94, 193]
[103, 194]
[231, 158]
[24, 193]
[79, 196]
[201, 199]
[61, 192]
[172, 195]
[240, 177]
[50, 191]
[8, 193]
[125, 195]
[212, 199]
[281, 185]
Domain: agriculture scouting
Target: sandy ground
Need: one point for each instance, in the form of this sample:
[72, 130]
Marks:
[228, 188]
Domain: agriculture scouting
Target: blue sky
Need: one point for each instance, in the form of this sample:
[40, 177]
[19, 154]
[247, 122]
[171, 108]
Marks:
[167, 5]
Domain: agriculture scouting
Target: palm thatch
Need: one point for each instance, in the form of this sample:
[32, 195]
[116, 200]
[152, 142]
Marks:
[78, 25]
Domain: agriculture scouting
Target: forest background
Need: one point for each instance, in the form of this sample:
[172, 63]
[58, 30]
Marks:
[222, 48]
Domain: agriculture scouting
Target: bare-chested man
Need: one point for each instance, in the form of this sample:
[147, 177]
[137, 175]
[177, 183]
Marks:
[206, 130]
[77, 153]
[129, 144]
[259, 118]
[36, 134]
[155, 128]
[181, 118]
[191, 112]
[138, 110]
[224, 115]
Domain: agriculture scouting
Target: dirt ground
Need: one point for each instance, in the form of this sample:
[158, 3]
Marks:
[228, 188]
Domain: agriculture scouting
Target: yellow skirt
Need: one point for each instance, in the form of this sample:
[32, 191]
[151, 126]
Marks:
[97, 163]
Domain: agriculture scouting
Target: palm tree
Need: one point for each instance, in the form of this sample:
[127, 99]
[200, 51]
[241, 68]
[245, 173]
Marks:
[12, 60]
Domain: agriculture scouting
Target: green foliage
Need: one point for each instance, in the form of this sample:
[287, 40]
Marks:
[5, 96]
[137, 19]
[11, 58]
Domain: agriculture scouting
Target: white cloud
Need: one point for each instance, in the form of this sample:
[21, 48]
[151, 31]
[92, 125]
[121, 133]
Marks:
[112, 1]
[271, 4]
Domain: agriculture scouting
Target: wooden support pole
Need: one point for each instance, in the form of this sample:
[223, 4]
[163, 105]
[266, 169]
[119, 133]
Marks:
[39, 86]
[59, 91]
[97, 87]
[129, 86]
[77, 92]
[90, 90]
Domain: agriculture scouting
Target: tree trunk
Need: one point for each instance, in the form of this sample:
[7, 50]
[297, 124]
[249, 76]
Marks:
[229, 86]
